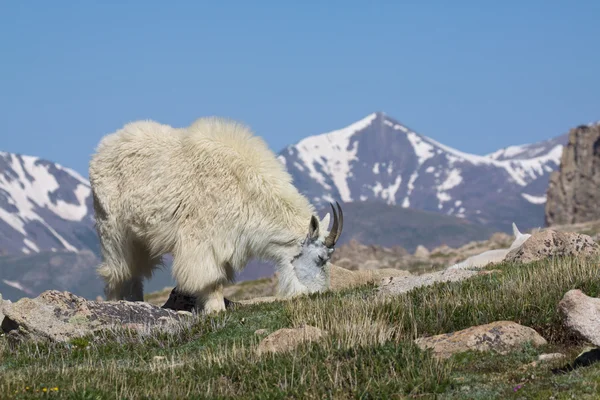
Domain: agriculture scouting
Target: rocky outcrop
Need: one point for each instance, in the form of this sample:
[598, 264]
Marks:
[287, 339]
[499, 336]
[581, 315]
[61, 316]
[573, 192]
[550, 243]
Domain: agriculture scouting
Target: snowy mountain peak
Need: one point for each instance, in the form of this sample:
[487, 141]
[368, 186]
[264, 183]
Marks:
[378, 158]
[43, 205]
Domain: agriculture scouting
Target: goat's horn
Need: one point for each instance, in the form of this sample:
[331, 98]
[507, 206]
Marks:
[341, 227]
[331, 238]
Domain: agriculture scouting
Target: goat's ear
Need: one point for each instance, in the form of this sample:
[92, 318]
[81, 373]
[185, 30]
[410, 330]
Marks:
[313, 228]
[516, 230]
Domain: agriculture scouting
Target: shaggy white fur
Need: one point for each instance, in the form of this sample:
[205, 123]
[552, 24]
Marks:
[214, 196]
[493, 256]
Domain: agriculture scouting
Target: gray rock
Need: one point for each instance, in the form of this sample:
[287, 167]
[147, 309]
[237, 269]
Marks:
[60, 316]
[581, 315]
[551, 356]
[551, 243]
[499, 336]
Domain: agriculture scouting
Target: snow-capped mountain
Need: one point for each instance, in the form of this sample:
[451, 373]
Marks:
[43, 207]
[380, 159]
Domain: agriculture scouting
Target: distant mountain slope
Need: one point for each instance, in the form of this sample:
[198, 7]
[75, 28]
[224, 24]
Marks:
[29, 275]
[380, 159]
[43, 207]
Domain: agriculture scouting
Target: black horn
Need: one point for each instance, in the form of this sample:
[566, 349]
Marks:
[339, 230]
[336, 228]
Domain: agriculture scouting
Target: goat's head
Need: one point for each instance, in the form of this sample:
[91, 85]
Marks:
[311, 264]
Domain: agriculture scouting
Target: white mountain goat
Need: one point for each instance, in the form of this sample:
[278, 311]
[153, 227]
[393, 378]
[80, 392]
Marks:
[214, 196]
[492, 256]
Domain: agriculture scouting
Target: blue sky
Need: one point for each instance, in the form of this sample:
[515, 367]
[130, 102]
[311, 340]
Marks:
[474, 75]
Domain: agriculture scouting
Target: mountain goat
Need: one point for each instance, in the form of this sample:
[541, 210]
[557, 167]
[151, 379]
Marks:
[214, 196]
[493, 256]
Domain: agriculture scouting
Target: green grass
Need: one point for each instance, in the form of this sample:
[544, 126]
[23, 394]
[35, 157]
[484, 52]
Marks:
[367, 353]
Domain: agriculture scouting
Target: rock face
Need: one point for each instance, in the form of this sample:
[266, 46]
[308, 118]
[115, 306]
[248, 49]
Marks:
[549, 243]
[287, 339]
[500, 336]
[573, 194]
[60, 316]
[582, 315]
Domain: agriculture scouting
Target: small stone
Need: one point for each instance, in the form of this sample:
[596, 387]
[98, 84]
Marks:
[186, 313]
[421, 252]
[551, 356]
[287, 339]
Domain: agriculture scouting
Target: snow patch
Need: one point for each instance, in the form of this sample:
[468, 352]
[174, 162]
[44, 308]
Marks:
[406, 202]
[332, 153]
[389, 194]
[423, 150]
[452, 180]
[534, 199]
[31, 245]
[377, 188]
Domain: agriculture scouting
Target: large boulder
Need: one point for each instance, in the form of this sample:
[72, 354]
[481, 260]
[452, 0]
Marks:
[551, 243]
[499, 336]
[61, 316]
[581, 315]
[573, 194]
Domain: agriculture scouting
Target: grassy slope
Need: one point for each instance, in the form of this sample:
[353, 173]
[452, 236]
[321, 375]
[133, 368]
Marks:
[368, 354]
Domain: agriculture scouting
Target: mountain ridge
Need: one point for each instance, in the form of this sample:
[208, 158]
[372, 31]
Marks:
[351, 164]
